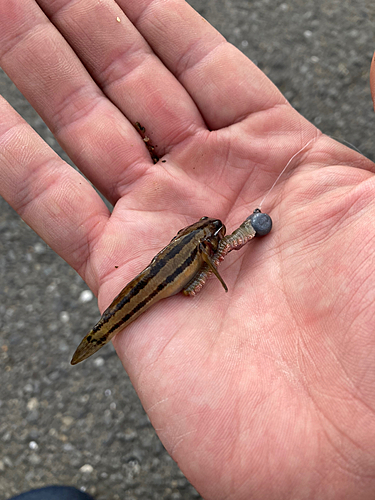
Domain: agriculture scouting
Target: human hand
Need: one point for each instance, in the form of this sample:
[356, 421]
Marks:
[264, 392]
[372, 79]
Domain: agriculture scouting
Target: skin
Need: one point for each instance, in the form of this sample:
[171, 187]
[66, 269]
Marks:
[267, 392]
[372, 79]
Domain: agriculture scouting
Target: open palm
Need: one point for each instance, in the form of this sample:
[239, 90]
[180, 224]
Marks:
[264, 392]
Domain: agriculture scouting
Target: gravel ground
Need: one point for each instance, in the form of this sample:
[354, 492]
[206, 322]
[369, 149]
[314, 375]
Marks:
[85, 426]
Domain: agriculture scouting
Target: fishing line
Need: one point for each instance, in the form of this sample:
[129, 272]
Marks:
[342, 141]
[284, 169]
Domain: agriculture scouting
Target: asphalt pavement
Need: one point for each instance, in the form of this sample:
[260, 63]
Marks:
[84, 426]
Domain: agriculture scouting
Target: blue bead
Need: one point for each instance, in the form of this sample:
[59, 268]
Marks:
[262, 223]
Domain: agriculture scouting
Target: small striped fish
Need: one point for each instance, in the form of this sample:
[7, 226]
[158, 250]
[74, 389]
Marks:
[170, 271]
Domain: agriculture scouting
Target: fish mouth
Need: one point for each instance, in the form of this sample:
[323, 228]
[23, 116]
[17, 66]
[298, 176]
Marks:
[220, 231]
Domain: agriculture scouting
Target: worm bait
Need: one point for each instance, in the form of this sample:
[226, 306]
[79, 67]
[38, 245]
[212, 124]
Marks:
[183, 265]
[257, 224]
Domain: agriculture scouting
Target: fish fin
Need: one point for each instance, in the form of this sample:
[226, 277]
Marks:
[207, 259]
[91, 343]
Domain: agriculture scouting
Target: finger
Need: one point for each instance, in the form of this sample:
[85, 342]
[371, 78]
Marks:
[225, 84]
[126, 69]
[50, 196]
[372, 79]
[100, 141]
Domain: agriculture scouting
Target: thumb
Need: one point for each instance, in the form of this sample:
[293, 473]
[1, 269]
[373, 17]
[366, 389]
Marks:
[372, 79]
